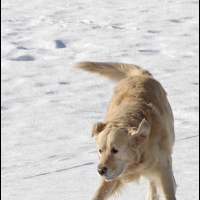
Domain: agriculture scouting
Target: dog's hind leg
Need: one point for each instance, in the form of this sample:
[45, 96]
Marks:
[152, 191]
[106, 189]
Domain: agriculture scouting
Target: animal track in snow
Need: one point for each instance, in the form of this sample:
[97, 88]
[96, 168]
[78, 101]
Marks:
[59, 44]
[175, 20]
[149, 51]
[21, 47]
[51, 92]
[59, 170]
[117, 26]
[40, 84]
[24, 58]
[153, 31]
[63, 83]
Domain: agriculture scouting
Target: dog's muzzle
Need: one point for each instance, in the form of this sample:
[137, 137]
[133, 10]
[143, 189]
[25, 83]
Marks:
[102, 170]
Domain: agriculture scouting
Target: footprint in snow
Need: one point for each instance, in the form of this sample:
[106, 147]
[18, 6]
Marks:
[60, 44]
[51, 92]
[21, 47]
[153, 31]
[149, 51]
[24, 58]
[64, 83]
[40, 84]
[175, 21]
[117, 26]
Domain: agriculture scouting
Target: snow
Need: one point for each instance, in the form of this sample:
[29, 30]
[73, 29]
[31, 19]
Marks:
[48, 107]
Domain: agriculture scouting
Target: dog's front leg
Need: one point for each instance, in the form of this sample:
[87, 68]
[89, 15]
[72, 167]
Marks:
[152, 191]
[105, 189]
[167, 182]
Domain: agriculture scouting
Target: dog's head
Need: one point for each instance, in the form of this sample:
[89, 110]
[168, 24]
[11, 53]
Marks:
[118, 147]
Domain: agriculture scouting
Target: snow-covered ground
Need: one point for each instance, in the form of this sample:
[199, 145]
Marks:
[48, 107]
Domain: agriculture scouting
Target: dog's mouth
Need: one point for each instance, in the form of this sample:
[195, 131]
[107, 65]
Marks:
[107, 179]
[116, 175]
[111, 178]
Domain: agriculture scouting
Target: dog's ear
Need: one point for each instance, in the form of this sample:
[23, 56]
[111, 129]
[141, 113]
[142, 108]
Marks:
[140, 135]
[97, 128]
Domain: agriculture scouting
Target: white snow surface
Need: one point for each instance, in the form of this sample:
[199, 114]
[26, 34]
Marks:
[48, 108]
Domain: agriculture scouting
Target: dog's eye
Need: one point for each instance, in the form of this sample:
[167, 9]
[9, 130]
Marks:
[114, 150]
[100, 151]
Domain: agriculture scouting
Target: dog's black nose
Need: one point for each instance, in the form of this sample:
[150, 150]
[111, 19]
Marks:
[102, 170]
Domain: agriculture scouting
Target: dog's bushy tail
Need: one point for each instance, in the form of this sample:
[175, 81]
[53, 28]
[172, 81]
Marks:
[111, 70]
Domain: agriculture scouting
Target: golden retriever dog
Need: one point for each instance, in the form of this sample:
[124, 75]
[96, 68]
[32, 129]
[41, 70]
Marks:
[137, 135]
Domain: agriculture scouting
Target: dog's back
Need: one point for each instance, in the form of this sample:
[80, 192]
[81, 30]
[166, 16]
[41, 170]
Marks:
[137, 86]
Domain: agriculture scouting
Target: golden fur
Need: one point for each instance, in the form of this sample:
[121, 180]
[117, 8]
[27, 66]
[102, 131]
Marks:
[137, 135]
